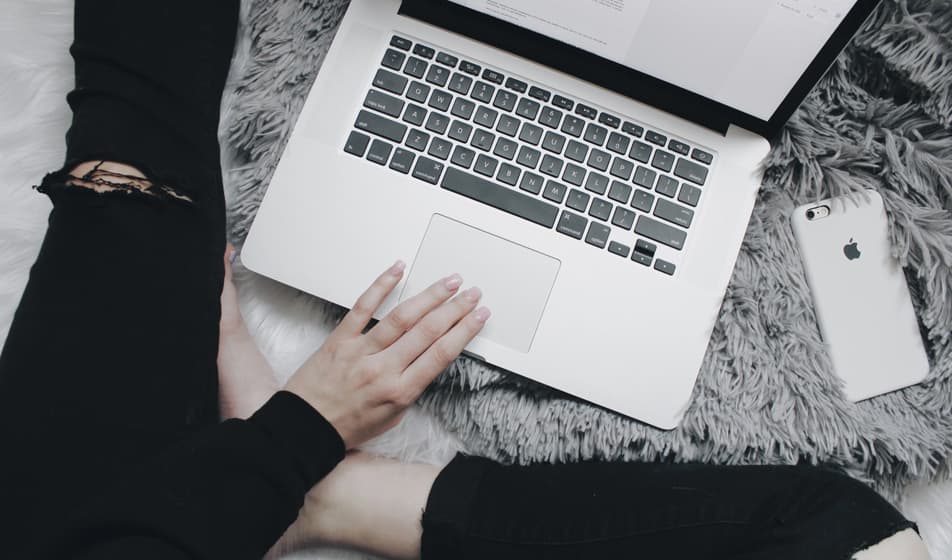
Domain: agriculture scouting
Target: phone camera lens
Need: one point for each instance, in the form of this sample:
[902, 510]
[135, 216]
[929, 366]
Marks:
[811, 214]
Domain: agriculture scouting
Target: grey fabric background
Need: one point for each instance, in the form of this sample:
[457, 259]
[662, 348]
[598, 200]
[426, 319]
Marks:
[881, 118]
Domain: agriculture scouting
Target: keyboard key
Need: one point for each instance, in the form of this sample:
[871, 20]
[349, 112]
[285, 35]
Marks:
[530, 134]
[633, 129]
[563, 102]
[609, 120]
[551, 166]
[528, 157]
[508, 174]
[440, 99]
[427, 170]
[687, 169]
[573, 126]
[578, 200]
[702, 156]
[460, 131]
[424, 51]
[528, 108]
[664, 266]
[576, 151]
[379, 152]
[531, 183]
[463, 156]
[386, 80]
[357, 143]
[386, 104]
[571, 224]
[440, 148]
[414, 114]
[505, 149]
[483, 92]
[393, 59]
[381, 126]
[667, 186]
[437, 123]
[417, 139]
[460, 83]
[502, 198]
[645, 248]
[586, 111]
[492, 76]
[550, 117]
[641, 258]
[554, 191]
[402, 160]
[483, 140]
[505, 100]
[418, 92]
[679, 147]
[539, 93]
[574, 174]
[508, 125]
[447, 59]
[517, 85]
[595, 134]
[599, 160]
[485, 116]
[596, 183]
[619, 249]
[645, 177]
[620, 192]
[656, 138]
[438, 75]
[660, 232]
[642, 200]
[597, 235]
[640, 152]
[415, 67]
[623, 218]
[400, 43]
[601, 209]
[553, 142]
[674, 213]
[486, 165]
[622, 168]
[470, 68]
[618, 143]
[463, 108]
[663, 160]
[689, 195]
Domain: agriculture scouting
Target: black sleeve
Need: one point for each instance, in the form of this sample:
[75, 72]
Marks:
[229, 492]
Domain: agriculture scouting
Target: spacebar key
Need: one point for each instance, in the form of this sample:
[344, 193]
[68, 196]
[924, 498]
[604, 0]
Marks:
[500, 197]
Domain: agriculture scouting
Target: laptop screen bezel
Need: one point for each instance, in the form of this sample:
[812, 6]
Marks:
[630, 82]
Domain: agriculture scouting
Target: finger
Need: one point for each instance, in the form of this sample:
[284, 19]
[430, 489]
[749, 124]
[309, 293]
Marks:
[429, 329]
[441, 354]
[363, 310]
[404, 316]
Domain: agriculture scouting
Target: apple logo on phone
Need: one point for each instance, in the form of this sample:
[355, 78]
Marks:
[851, 250]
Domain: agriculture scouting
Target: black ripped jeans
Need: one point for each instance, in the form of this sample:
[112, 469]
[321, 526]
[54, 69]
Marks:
[111, 356]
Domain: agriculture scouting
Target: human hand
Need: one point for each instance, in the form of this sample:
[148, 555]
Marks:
[362, 383]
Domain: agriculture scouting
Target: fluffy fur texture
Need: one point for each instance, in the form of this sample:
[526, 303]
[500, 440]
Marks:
[881, 118]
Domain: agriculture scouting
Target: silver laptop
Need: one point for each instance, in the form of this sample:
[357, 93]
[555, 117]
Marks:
[590, 164]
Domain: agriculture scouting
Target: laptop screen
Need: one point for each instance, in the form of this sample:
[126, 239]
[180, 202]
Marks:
[745, 54]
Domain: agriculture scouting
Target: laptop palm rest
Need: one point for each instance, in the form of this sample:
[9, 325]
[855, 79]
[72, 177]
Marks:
[515, 280]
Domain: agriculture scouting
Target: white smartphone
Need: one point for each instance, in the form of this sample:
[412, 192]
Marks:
[862, 302]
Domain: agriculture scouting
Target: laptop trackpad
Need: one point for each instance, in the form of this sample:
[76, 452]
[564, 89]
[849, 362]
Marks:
[515, 280]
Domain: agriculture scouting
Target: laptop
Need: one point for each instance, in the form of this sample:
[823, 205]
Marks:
[591, 165]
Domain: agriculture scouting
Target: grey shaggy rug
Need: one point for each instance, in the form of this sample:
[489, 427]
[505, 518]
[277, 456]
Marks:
[881, 118]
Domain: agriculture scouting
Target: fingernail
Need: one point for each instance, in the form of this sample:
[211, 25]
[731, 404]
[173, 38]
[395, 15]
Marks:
[472, 294]
[232, 255]
[397, 268]
[482, 314]
[453, 282]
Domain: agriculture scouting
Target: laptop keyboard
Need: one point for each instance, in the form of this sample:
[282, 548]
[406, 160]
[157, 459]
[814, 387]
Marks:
[520, 148]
